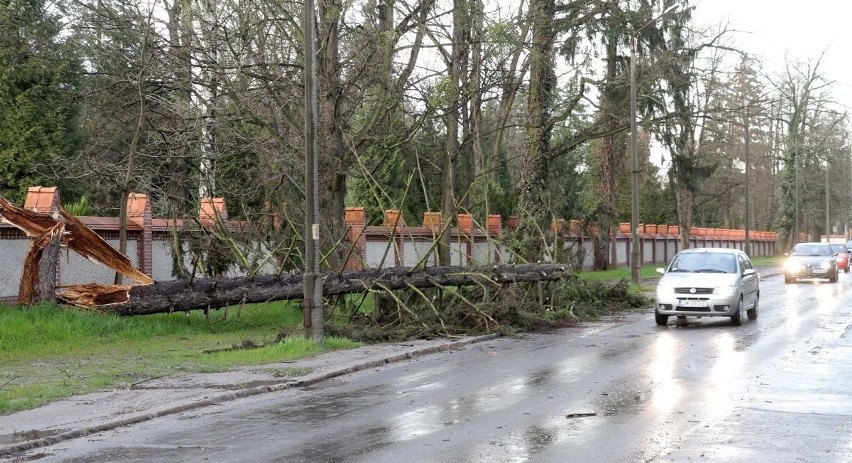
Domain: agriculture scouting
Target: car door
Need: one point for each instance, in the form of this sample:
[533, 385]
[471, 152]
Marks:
[751, 283]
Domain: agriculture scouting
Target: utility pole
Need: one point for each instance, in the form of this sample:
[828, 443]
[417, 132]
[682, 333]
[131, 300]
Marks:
[747, 247]
[312, 299]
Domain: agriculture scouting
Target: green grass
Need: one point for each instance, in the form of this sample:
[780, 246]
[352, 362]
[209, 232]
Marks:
[646, 271]
[48, 353]
[774, 260]
[650, 271]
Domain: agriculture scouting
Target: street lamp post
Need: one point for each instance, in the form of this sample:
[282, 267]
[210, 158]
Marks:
[796, 192]
[827, 215]
[747, 248]
[634, 172]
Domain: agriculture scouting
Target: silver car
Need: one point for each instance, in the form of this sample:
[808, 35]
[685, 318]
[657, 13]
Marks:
[810, 260]
[708, 282]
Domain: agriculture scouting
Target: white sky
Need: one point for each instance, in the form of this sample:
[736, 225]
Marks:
[801, 30]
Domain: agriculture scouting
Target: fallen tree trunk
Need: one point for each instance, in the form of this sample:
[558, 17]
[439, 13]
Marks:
[182, 295]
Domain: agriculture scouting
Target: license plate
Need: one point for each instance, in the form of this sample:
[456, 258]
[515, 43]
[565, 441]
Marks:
[692, 303]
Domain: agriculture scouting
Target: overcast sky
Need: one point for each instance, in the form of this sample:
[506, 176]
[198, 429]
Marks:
[802, 30]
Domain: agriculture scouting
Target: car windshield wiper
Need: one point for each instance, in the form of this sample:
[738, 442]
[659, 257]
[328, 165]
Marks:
[710, 270]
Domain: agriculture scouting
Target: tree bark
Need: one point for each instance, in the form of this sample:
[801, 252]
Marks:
[182, 295]
[533, 196]
[333, 158]
[38, 280]
[448, 188]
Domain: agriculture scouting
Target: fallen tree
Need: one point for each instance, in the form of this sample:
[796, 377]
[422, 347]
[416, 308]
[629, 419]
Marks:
[182, 295]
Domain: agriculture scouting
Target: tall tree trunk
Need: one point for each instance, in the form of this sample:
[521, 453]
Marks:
[209, 98]
[332, 156]
[609, 155]
[180, 46]
[533, 198]
[448, 189]
[685, 214]
[127, 185]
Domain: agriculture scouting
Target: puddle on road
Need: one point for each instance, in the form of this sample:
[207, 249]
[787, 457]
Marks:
[24, 436]
[539, 377]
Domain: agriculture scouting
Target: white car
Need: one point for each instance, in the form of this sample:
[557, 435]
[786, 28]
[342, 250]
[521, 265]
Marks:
[708, 282]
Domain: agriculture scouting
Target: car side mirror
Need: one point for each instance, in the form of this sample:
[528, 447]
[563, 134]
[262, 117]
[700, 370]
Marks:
[661, 271]
[749, 271]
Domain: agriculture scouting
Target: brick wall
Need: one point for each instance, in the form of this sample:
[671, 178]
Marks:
[393, 243]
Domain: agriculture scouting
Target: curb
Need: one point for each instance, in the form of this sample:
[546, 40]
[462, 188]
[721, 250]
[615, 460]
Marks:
[238, 394]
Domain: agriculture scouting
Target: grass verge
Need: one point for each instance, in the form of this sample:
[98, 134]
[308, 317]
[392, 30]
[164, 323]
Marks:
[47, 352]
[650, 271]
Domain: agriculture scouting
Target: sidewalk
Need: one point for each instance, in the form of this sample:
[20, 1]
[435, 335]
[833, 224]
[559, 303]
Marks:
[92, 413]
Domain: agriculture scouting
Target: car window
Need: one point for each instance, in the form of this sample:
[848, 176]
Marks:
[745, 262]
[811, 250]
[838, 248]
[704, 262]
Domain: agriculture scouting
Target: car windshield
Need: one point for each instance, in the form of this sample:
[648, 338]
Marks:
[811, 250]
[704, 262]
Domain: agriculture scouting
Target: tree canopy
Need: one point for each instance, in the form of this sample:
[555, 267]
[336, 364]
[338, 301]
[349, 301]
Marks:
[472, 106]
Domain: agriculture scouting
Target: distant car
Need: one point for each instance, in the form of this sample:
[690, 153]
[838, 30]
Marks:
[841, 256]
[810, 260]
[708, 282]
[849, 248]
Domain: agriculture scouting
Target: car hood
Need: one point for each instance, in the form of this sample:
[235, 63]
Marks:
[698, 280]
[809, 260]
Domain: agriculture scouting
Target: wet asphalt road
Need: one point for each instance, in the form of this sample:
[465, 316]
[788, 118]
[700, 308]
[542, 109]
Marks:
[776, 389]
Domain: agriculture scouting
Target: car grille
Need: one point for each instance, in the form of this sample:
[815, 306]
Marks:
[692, 309]
[811, 270]
[697, 290]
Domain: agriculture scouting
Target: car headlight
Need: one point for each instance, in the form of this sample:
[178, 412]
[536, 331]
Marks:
[725, 290]
[791, 265]
[665, 289]
[828, 264]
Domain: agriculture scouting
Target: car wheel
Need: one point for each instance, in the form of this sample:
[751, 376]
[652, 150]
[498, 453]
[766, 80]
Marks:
[788, 279]
[833, 277]
[846, 270]
[752, 312]
[660, 318]
[737, 317]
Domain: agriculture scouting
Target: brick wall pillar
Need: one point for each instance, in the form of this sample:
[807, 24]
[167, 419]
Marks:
[139, 212]
[211, 210]
[495, 227]
[355, 220]
[465, 230]
[45, 200]
[432, 220]
[394, 221]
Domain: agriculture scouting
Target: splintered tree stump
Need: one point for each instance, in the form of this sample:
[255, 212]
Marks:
[183, 295]
[38, 279]
[75, 234]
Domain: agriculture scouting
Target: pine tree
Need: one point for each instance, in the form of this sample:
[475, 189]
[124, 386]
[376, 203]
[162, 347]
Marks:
[39, 97]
